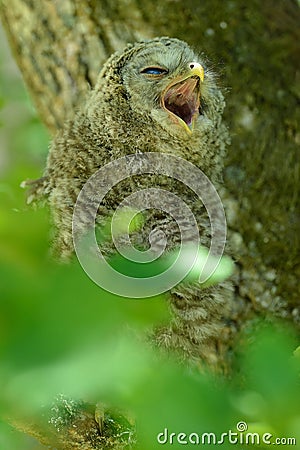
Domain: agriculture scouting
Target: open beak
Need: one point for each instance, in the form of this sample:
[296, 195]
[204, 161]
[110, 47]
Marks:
[181, 99]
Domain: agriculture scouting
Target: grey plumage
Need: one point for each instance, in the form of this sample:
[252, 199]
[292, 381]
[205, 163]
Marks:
[132, 110]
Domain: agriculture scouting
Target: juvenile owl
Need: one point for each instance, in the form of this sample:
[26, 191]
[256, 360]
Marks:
[154, 96]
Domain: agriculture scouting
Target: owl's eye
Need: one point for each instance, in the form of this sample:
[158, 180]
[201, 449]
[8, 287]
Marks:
[154, 71]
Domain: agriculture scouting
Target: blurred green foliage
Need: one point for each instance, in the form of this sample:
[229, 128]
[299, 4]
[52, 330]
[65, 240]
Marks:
[60, 333]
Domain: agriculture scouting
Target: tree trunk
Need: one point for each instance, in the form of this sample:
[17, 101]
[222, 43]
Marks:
[61, 46]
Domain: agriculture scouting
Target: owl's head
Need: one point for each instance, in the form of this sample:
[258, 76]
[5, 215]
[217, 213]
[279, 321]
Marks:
[165, 79]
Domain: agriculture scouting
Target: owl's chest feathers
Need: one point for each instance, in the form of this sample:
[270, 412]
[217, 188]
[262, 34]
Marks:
[111, 134]
[105, 131]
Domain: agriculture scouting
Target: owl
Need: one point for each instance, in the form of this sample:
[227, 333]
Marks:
[154, 96]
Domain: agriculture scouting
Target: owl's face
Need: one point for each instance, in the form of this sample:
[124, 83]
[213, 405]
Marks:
[166, 79]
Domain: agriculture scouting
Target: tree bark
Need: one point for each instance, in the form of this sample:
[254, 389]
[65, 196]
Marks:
[61, 46]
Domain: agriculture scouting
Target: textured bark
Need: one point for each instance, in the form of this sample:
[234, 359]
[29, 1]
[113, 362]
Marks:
[60, 47]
